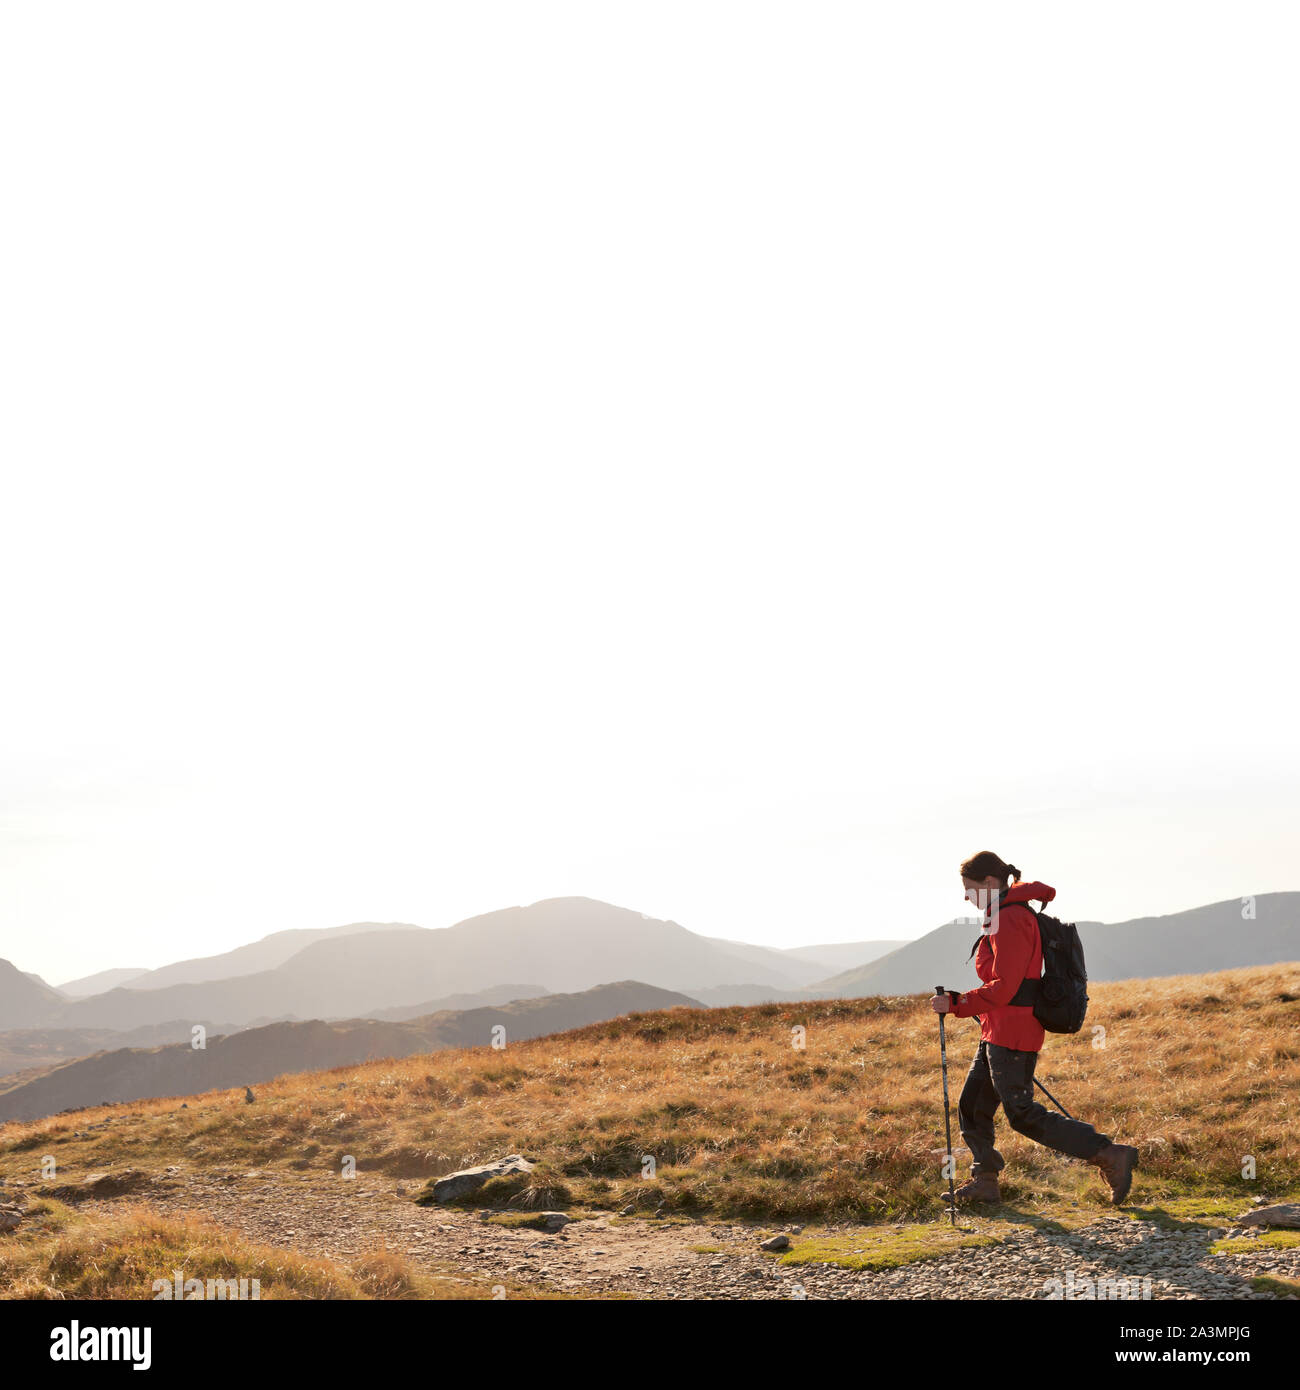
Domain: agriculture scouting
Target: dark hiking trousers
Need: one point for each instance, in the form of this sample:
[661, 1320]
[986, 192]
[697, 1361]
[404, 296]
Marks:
[999, 1076]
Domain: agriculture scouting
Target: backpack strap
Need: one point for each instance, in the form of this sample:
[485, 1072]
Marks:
[982, 936]
[1028, 992]
[1001, 895]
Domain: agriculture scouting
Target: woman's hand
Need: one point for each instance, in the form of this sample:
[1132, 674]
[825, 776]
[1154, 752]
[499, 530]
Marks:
[941, 1003]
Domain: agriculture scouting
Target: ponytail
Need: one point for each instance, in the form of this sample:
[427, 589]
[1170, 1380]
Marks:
[986, 864]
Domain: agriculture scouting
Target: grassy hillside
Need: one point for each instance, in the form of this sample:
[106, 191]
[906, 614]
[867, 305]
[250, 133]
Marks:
[1197, 1071]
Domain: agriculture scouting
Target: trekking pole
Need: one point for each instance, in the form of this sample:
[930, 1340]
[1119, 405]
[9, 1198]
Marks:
[1053, 1099]
[947, 1119]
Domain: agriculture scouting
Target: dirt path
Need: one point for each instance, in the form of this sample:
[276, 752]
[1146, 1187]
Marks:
[654, 1259]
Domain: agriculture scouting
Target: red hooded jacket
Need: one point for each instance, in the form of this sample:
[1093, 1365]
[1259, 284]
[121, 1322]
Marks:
[1008, 953]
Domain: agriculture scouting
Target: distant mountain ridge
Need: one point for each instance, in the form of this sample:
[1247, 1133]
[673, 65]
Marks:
[844, 954]
[25, 1051]
[570, 943]
[394, 971]
[25, 1000]
[100, 981]
[498, 994]
[264, 954]
[260, 1054]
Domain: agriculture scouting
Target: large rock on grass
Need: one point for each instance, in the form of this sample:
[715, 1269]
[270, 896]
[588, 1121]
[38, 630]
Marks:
[1285, 1214]
[467, 1180]
[128, 1180]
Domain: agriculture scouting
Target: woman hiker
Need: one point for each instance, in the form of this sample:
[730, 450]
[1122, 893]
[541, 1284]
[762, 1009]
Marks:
[1010, 1038]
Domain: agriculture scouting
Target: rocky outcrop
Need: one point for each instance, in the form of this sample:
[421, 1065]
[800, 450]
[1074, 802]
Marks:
[129, 1180]
[467, 1180]
[1284, 1214]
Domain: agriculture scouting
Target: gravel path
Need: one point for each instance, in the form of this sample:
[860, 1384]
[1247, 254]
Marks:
[654, 1259]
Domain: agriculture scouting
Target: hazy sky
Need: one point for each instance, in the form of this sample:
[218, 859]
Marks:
[734, 460]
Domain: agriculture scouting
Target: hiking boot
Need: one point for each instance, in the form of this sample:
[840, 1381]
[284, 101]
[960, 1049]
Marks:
[981, 1189]
[1117, 1162]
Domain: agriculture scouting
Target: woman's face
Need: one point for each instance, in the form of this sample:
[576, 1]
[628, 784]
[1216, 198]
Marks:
[981, 891]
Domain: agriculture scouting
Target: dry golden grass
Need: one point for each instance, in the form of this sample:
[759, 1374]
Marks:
[1197, 1071]
[62, 1253]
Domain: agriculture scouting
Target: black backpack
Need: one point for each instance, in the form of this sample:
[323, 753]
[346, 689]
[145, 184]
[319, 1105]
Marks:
[1060, 996]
